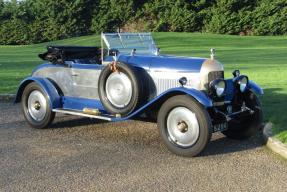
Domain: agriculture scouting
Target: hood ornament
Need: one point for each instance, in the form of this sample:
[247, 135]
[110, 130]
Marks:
[212, 55]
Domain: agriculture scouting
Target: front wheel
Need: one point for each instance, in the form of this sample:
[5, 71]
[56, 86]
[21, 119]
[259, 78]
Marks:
[184, 125]
[35, 107]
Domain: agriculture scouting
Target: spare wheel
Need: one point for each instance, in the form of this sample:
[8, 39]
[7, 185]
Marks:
[119, 90]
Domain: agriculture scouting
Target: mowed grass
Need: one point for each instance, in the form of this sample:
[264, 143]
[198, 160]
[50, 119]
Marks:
[263, 59]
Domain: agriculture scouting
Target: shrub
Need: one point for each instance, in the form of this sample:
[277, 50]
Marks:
[14, 32]
[111, 15]
[165, 15]
[230, 16]
[34, 21]
[270, 18]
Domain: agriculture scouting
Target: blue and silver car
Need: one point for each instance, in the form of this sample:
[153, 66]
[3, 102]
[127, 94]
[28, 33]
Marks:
[127, 78]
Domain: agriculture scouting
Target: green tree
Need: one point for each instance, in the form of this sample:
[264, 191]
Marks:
[270, 18]
[111, 15]
[230, 16]
[166, 15]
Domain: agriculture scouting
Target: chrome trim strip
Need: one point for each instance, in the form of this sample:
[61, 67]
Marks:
[79, 113]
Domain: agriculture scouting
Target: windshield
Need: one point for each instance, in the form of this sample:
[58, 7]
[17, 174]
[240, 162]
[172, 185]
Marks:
[126, 42]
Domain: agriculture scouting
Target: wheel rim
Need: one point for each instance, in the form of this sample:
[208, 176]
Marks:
[37, 105]
[119, 89]
[182, 127]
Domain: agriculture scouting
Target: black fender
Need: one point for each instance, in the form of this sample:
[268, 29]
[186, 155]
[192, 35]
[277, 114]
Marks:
[48, 87]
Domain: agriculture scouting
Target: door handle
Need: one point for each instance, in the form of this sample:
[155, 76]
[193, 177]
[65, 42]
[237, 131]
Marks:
[75, 75]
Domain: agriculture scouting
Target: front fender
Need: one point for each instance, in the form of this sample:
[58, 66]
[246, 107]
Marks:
[255, 88]
[200, 96]
[47, 86]
[196, 94]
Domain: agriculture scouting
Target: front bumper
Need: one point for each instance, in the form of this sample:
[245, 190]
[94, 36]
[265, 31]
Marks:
[231, 107]
[220, 119]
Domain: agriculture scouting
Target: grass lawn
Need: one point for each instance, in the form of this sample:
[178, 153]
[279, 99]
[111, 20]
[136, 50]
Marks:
[263, 59]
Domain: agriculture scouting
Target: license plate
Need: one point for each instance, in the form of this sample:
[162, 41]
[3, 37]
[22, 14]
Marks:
[220, 127]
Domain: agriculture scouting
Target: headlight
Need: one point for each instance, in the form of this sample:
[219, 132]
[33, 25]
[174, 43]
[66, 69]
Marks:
[218, 87]
[241, 82]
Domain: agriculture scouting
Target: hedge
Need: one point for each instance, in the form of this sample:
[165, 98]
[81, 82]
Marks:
[35, 21]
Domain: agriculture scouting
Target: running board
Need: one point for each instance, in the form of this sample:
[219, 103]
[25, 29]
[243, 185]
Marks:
[80, 113]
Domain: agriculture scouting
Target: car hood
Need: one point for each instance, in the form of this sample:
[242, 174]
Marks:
[165, 62]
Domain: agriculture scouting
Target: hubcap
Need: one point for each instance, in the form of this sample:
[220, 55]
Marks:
[182, 126]
[37, 105]
[119, 89]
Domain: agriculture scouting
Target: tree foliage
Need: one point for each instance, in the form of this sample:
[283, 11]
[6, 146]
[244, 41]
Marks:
[166, 15]
[34, 21]
[111, 15]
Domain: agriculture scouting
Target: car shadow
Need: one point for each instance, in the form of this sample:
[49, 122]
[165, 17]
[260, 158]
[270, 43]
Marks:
[73, 121]
[141, 137]
[223, 145]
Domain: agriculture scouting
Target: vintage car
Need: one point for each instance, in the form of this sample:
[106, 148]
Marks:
[128, 78]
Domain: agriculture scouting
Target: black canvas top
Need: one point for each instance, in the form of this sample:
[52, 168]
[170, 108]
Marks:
[60, 54]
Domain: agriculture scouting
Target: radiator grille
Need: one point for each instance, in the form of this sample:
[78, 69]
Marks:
[215, 75]
[164, 84]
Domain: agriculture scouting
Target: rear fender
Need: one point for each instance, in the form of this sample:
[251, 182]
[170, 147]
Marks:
[47, 86]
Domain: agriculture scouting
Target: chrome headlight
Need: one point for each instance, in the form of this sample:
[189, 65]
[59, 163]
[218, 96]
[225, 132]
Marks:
[218, 87]
[241, 82]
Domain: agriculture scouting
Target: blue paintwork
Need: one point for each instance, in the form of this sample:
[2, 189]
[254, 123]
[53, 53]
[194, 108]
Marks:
[164, 62]
[87, 66]
[177, 64]
[230, 90]
[143, 61]
[198, 95]
[255, 88]
[81, 103]
[46, 85]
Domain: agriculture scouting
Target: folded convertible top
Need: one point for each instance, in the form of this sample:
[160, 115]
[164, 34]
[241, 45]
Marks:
[60, 54]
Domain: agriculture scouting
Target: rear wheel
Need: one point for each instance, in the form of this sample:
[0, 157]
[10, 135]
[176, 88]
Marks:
[36, 107]
[184, 125]
[247, 126]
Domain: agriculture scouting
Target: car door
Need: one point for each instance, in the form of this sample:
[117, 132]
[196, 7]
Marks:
[85, 80]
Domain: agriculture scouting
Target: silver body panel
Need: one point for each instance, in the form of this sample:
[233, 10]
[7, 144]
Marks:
[73, 82]
[83, 82]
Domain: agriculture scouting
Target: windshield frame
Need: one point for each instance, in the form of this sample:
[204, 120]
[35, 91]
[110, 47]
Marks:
[125, 43]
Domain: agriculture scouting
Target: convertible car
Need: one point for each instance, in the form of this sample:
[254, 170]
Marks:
[128, 78]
